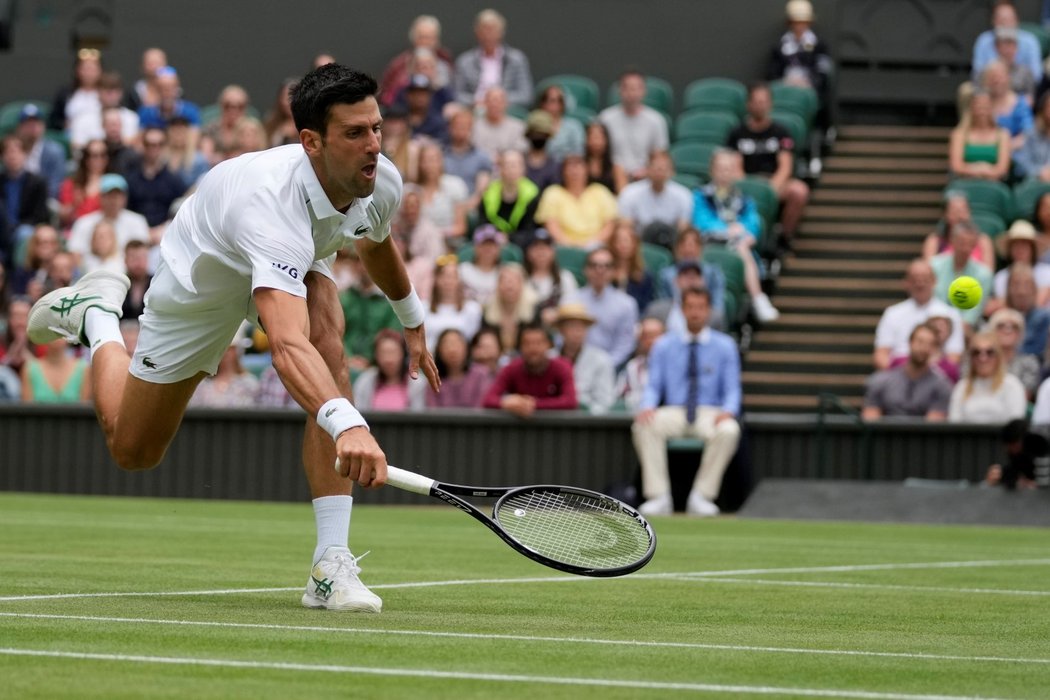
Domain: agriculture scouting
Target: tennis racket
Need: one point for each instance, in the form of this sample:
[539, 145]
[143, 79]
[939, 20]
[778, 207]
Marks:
[566, 528]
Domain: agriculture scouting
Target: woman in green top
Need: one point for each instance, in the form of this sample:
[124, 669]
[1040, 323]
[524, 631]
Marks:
[58, 377]
[979, 147]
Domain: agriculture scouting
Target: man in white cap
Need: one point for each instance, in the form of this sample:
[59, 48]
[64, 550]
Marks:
[801, 57]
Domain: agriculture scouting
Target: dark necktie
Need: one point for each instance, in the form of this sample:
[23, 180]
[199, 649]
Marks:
[692, 374]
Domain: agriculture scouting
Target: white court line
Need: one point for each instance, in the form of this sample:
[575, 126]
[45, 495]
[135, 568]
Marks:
[530, 638]
[568, 579]
[876, 586]
[492, 677]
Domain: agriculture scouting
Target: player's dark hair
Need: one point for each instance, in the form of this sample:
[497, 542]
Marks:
[312, 97]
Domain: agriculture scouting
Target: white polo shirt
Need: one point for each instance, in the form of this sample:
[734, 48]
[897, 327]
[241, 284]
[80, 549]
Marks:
[263, 220]
[899, 320]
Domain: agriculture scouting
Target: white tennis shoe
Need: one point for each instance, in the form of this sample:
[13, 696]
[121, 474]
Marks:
[660, 505]
[697, 505]
[334, 584]
[60, 314]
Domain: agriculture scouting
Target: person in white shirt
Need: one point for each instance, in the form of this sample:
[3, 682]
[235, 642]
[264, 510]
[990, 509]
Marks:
[635, 130]
[256, 242]
[898, 321]
[657, 198]
[988, 393]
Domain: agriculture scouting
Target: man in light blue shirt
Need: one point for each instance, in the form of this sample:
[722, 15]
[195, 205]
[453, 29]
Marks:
[1029, 53]
[959, 262]
[616, 312]
[693, 390]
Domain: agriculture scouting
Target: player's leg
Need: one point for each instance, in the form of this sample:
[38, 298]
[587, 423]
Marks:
[333, 581]
[720, 443]
[650, 443]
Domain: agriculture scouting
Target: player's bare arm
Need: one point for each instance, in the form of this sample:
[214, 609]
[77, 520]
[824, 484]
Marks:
[384, 265]
[309, 381]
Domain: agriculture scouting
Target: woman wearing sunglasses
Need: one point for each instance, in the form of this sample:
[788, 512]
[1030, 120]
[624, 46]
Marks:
[988, 393]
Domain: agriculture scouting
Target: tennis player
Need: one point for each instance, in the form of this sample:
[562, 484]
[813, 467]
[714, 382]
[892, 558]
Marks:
[257, 241]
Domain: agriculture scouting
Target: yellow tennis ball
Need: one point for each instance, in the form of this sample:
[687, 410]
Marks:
[965, 292]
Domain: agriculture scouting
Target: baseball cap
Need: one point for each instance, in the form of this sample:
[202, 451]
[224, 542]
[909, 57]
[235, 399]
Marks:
[419, 82]
[29, 111]
[540, 122]
[687, 265]
[488, 232]
[113, 181]
[540, 235]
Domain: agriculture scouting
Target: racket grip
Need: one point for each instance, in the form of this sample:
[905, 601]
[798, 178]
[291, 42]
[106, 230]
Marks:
[404, 480]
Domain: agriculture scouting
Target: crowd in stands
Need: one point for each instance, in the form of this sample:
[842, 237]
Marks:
[552, 240]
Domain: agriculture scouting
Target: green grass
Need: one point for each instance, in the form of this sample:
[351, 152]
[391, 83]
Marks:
[764, 629]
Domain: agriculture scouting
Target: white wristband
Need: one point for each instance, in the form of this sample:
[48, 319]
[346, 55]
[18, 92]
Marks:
[339, 415]
[410, 311]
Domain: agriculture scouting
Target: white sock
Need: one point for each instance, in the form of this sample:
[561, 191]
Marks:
[332, 514]
[101, 327]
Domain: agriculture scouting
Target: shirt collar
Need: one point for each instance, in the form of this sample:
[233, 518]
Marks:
[704, 336]
[318, 200]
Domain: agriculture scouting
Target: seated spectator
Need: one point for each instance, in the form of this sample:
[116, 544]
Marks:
[463, 159]
[386, 385]
[693, 390]
[947, 267]
[690, 273]
[635, 129]
[169, 104]
[512, 305]
[44, 157]
[1023, 449]
[629, 272]
[59, 376]
[81, 96]
[597, 153]
[219, 136]
[725, 215]
[509, 202]
[272, 392]
[540, 167]
[615, 312]
[592, 370]
[898, 321]
[152, 188]
[16, 350]
[127, 225]
[492, 64]
[689, 247]
[496, 131]
[444, 196]
[979, 147]
[1029, 53]
[767, 150]
[657, 199]
[60, 273]
[550, 283]
[10, 385]
[913, 388]
[1021, 294]
[988, 393]
[942, 327]
[1041, 411]
[463, 382]
[630, 383]
[398, 144]
[426, 63]
[104, 254]
[136, 266]
[184, 158]
[251, 137]
[1011, 111]
[576, 213]
[957, 210]
[41, 248]
[1040, 220]
[366, 312]
[279, 123]
[479, 276]
[486, 351]
[802, 58]
[1019, 245]
[1008, 327]
[534, 380]
[1032, 161]
[88, 125]
[145, 91]
[232, 386]
[424, 112]
[420, 241]
[566, 137]
[1022, 80]
[424, 33]
[122, 154]
[449, 305]
[80, 192]
[23, 198]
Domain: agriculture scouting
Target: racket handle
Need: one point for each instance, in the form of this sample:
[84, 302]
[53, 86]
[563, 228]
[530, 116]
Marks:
[404, 480]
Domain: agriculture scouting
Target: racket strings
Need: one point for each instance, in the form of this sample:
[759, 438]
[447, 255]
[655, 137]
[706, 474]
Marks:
[574, 528]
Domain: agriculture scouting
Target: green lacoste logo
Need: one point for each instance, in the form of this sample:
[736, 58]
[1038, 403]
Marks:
[329, 412]
[146, 362]
[67, 304]
[324, 587]
[361, 230]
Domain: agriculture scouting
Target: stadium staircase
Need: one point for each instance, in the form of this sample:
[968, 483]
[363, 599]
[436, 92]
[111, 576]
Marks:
[878, 197]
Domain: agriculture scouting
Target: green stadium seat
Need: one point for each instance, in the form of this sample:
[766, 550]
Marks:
[737, 301]
[656, 257]
[802, 101]
[583, 91]
[986, 196]
[989, 223]
[583, 115]
[510, 253]
[766, 200]
[571, 259]
[1039, 33]
[705, 125]
[61, 138]
[796, 126]
[1026, 194]
[691, 181]
[519, 111]
[693, 157]
[9, 113]
[722, 94]
[658, 94]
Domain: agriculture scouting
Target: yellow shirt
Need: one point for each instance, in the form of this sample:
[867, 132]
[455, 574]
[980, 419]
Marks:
[581, 219]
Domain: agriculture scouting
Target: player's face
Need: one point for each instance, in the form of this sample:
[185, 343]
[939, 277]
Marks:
[349, 153]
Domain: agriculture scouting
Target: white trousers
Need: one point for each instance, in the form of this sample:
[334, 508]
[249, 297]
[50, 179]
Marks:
[650, 442]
